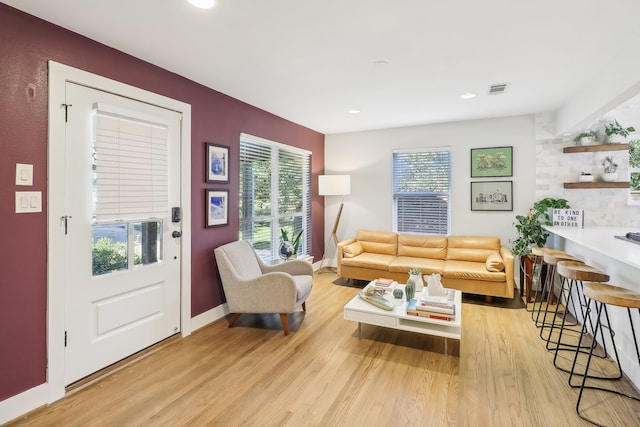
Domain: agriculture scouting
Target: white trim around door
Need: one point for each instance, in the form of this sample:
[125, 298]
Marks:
[59, 75]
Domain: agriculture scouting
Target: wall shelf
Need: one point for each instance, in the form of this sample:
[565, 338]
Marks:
[594, 148]
[616, 184]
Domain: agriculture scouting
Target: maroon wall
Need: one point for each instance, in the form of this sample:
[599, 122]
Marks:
[26, 44]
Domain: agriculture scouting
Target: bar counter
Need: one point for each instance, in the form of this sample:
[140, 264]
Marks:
[598, 247]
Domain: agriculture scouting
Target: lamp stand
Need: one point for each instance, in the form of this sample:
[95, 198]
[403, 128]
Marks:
[335, 225]
[334, 235]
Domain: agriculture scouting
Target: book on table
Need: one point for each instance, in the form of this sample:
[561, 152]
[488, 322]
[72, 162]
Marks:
[384, 284]
[417, 308]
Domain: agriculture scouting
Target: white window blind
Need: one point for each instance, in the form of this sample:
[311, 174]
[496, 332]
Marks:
[131, 168]
[275, 193]
[421, 191]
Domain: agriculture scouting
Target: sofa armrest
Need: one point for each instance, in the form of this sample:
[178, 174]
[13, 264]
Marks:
[508, 259]
[340, 252]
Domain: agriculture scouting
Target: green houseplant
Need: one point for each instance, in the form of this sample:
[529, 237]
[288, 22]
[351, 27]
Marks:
[587, 137]
[616, 133]
[529, 227]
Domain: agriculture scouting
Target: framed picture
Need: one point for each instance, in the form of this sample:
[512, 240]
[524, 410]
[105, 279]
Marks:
[217, 205]
[491, 162]
[492, 196]
[217, 163]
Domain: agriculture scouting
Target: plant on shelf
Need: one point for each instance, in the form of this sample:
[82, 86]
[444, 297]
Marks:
[529, 228]
[587, 137]
[616, 133]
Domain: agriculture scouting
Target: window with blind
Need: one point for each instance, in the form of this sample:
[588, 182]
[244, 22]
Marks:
[421, 191]
[130, 191]
[275, 195]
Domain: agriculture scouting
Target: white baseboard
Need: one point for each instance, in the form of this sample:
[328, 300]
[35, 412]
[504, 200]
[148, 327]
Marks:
[24, 402]
[209, 316]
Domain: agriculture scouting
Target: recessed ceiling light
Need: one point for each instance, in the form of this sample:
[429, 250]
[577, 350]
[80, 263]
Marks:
[354, 111]
[468, 95]
[203, 4]
[380, 64]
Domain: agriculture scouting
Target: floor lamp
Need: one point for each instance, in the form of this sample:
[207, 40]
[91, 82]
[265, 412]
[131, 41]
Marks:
[334, 185]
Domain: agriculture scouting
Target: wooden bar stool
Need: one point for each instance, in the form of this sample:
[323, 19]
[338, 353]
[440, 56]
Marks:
[603, 295]
[551, 258]
[572, 275]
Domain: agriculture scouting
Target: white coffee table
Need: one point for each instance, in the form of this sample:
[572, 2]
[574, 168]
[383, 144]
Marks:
[363, 312]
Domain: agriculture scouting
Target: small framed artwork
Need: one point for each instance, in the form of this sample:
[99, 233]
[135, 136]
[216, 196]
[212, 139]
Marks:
[491, 162]
[217, 205]
[217, 163]
[492, 196]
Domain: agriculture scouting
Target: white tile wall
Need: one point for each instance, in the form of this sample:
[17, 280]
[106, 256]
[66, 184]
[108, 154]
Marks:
[603, 207]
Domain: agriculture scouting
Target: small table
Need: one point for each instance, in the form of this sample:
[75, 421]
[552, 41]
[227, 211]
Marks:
[363, 312]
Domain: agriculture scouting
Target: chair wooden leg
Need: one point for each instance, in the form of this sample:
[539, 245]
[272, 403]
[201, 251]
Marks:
[285, 323]
[304, 306]
[234, 317]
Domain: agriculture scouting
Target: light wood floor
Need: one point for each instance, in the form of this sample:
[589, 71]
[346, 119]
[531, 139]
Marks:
[322, 375]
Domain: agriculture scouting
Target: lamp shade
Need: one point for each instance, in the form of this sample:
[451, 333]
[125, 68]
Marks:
[334, 185]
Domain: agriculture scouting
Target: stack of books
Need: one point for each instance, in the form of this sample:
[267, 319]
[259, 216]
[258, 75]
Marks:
[442, 308]
[384, 284]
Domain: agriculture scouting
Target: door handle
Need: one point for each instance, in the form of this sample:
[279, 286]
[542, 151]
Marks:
[176, 234]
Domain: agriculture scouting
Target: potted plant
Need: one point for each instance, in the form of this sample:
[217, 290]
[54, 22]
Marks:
[610, 169]
[294, 244]
[529, 228]
[415, 274]
[587, 137]
[616, 133]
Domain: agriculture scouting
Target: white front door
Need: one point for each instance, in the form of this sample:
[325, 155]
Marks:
[122, 290]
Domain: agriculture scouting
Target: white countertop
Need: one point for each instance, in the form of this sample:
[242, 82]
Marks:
[602, 240]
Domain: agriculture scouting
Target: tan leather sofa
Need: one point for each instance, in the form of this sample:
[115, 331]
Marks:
[473, 264]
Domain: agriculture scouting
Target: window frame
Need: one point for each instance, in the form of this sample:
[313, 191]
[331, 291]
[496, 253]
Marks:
[427, 199]
[275, 217]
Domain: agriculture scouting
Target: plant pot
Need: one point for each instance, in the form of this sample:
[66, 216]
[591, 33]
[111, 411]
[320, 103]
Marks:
[286, 250]
[586, 140]
[417, 279]
[616, 139]
[609, 177]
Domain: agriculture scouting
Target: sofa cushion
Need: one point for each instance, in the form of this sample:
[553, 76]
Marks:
[402, 264]
[494, 262]
[369, 260]
[378, 242]
[471, 248]
[471, 271]
[351, 250]
[421, 246]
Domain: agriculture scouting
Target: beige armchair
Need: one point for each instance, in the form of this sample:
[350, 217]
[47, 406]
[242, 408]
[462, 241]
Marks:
[251, 286]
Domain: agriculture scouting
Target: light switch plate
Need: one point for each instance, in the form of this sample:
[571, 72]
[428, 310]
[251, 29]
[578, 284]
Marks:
[24, 174]
[28, 201]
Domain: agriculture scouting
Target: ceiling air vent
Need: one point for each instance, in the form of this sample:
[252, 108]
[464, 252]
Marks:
[497, 89]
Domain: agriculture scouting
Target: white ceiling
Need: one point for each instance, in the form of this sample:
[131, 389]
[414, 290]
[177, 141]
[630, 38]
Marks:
[311, 61]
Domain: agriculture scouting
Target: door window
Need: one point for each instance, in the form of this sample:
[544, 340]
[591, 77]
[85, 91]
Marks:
[130, 175]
